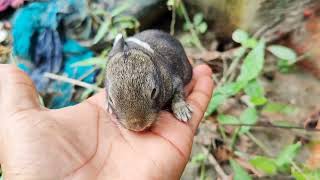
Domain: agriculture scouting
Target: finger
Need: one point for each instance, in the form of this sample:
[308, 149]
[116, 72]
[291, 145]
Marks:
[199, 99]
[198, 71]
[17, 92]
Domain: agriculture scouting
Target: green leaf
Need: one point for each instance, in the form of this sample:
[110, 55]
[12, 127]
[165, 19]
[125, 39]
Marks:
[97, 61]
[180, 8]
[187, 26]
[227, 119]
[118, 10]
[223, 93]
[250, 43]
[285, 157]
[258, 101]
[186, 40]
[264, 164]
[240, 36]
[273, 107]
[239, 52]
[283, 53]
[249, 116]
[231, 88]
[114, 31]
[215, 102]
[239, 172]
[198, 158]
[103, 30]
[284, 66]
[202, 28]
[253, 63]
[197, 19]
[255, 90]
[298, 175]
[170, 3]
[306, 174]
[119, 19]
[126, 25]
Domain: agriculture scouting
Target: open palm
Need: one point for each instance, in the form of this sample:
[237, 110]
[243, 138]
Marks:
[84, 142]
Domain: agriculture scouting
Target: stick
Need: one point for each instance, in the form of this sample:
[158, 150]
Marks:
[233, 66]
[259, 143]
[216, 165]
[272, 126]
[72, 81]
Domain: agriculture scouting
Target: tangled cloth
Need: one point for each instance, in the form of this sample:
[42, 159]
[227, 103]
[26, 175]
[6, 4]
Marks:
[4, 4]
[39, 37]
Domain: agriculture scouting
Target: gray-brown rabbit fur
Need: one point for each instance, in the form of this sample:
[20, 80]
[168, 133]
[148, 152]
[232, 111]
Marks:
[144, 74]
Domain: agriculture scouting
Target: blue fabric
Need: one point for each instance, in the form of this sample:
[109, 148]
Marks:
[36, 38]
[25, 24]
[25, 68]
[47, 56]
[73, 53]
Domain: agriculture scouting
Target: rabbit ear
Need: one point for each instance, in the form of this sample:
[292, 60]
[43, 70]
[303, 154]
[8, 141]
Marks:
[118, 44]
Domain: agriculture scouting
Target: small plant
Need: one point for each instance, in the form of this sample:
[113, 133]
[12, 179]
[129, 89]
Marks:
[199, 26]
[239, 172]
[283, 162]
[201, 160]
[251, 68]
[250, 56]
[196, 27]
[113, 22]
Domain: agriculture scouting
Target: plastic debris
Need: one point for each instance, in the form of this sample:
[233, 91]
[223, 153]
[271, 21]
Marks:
[37, 38]
[49, 36]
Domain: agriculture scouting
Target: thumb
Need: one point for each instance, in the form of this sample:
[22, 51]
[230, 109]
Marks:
[17, 92]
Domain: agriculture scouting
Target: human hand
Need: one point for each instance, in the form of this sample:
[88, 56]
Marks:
[82, 142]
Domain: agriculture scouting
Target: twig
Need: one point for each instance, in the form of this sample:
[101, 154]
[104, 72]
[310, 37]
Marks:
[303, 57]
[262, 31]
[233, 66]
[259, 143]
[215, 164]
[222, 132]
[234, 138]
[271, 126]
[87, 74]
[295, 166]
[225, 66]
[245, 164]
[215, 79]
[41, 101]
[173, 18]
[72, 81]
